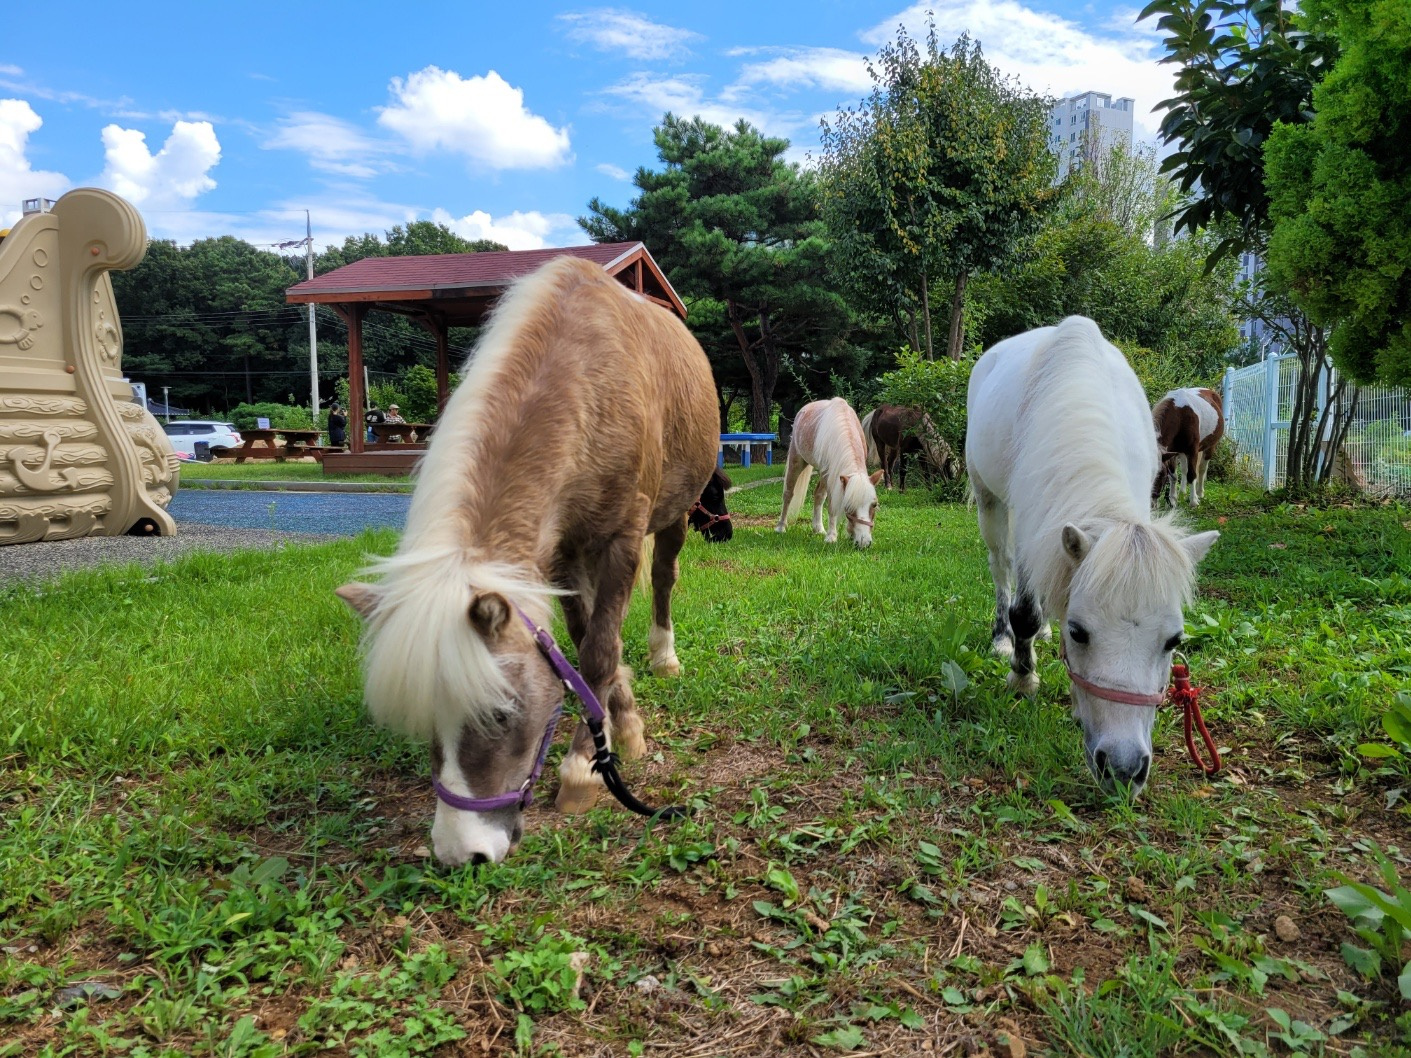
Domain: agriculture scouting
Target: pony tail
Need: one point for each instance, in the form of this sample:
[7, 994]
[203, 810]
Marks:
[800, 494]
[873, 457]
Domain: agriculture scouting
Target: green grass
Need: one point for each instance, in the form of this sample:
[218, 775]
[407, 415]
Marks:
[268, 470]
[885, 848]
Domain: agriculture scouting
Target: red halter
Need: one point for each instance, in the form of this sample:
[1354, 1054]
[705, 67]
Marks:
[1180, 692]
[711, 518]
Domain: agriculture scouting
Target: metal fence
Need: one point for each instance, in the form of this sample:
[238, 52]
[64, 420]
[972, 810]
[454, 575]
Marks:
[1375, 457]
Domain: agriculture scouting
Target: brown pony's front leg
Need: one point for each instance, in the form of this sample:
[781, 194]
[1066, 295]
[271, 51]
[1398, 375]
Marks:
[600, 662]
[661, 641]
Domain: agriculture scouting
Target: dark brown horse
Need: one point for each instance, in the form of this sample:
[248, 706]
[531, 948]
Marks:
[898, 432]
[709, 516]
[586, 422]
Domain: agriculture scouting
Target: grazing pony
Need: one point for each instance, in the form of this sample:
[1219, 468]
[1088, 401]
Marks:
[894, 432]
[828, 436]
[1189, 424]
[1061, 455]
[586, 420]
[709, 516]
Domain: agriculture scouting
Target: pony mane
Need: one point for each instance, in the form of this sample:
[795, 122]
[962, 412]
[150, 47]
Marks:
[424, 664]
[1127, 558]
[839, 443]
[1071, 466]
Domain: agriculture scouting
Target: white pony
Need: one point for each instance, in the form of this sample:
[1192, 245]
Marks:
[828, 436]
[1062, 455]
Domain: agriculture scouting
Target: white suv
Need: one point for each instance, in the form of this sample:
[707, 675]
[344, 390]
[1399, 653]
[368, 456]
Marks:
[185, 433]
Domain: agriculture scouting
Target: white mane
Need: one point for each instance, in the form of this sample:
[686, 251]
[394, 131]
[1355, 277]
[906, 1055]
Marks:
[1074, 462]
[421, 655]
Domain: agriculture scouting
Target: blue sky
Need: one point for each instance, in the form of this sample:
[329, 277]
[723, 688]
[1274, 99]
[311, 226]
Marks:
[499, 120]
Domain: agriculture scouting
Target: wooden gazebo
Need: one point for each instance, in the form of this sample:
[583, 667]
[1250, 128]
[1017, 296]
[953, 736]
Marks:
[441, 291]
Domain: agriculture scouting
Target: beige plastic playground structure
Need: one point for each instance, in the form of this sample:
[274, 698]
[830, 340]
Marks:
[77, 456]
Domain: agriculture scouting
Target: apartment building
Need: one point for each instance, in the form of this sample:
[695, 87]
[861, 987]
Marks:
[1093, 121]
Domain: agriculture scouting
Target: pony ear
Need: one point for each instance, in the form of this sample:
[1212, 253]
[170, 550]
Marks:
[1199, 545]
[875, 477]
[1076, 543]
[844, 478]
[489, 613]
[722, 479]
[361, 598]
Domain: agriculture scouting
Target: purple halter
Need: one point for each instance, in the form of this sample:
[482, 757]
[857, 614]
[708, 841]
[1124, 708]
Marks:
[604, 760]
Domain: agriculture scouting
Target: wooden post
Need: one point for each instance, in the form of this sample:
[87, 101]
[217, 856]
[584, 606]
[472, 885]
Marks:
[357, 430]
[640, 287]
[443, 365]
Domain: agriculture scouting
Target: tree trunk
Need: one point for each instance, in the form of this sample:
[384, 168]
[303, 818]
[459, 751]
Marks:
[926, 311]
[761, 361]
[956, 341]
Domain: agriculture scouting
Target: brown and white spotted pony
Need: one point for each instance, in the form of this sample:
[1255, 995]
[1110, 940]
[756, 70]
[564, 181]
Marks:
[1189, 424]
[828, 436]
[894, 432]
[585, 422]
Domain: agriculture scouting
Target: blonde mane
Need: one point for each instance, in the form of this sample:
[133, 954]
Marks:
[1070, 467]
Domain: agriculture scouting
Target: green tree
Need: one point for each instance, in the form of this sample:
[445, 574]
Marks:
[737, 231]
[1245, 66]
[1340, 192]
[939, 175]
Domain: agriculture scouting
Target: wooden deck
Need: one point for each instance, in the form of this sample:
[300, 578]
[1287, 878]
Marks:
[392, 460]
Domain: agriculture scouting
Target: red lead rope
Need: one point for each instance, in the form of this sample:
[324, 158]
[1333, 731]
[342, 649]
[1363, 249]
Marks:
[1187, 699]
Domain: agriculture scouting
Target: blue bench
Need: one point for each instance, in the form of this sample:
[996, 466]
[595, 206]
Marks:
[742, 441]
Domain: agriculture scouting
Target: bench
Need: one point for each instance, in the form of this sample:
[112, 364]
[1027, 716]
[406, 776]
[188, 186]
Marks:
[742, 441]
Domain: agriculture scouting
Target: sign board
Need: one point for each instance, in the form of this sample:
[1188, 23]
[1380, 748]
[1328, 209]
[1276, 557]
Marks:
[262, 424]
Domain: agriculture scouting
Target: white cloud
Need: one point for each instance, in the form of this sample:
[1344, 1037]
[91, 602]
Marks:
[830, 69]
[11, 71]
[172, 177]
[483, 118]
[628, 33]
[614, 171]
[530, 230]
[19, 180]
[1051, 54]
[684, 95]
[332, 144]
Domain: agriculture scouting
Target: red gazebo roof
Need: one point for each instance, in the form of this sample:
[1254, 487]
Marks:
[459, 288]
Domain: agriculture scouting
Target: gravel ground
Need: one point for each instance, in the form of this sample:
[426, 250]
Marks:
[214, 521]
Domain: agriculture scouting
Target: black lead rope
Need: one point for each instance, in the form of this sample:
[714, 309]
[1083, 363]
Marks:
[605, 764]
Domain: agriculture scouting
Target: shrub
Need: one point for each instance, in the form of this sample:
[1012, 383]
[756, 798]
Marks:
[280, 416]
[938, 387]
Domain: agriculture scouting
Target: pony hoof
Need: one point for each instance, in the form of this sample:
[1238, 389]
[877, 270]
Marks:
[575, 800]
[1003, 646]
[1027, 684]
[1045, 631]
[628, 737]
[667, 667]
[779, 528]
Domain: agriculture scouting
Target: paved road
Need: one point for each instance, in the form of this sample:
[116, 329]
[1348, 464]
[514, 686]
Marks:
[339, 513]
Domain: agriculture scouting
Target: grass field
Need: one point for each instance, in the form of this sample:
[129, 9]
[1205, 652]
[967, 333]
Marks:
[207, 850]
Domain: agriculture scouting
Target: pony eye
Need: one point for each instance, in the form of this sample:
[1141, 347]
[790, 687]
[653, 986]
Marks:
[1174, 642]
[1078, 633]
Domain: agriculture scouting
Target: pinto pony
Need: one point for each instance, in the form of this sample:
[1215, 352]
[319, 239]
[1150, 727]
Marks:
[828, 436]
[894, 432]
[1189, 424]
[585, 422]
[1061, 456]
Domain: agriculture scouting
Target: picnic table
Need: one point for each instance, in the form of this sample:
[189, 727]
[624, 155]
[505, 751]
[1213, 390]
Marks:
[260, 444]
[742, 441]
[401, 432]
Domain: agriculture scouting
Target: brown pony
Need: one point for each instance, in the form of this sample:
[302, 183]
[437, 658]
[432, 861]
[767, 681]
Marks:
[898, 432]
[586, 421]
[1189, 424]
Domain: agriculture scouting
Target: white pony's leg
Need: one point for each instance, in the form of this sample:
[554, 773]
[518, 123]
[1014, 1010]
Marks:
[794, 470]
[820, 491]
[994, 530]
[1025, 619]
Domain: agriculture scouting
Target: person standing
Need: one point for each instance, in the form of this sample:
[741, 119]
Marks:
[337, 426]
[374, 415]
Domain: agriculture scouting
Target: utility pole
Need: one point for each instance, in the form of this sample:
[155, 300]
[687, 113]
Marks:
[308, 243]
[166, 402]
[313, 330]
